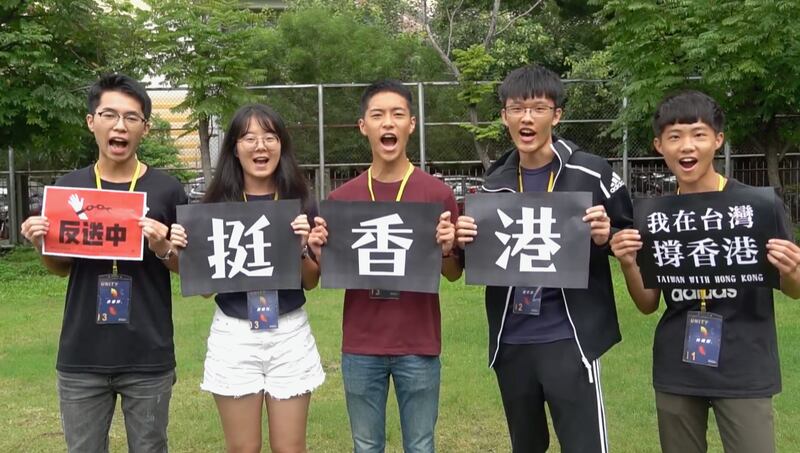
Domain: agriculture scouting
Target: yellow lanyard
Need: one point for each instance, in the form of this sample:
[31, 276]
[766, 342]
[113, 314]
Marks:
[402, 184]
[720, 186]
[130, 189]
[275, 198]
[522, 189]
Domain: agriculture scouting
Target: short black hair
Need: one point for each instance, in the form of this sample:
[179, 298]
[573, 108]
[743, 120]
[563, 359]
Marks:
[122, 84]
[688, 107]
[385, 85]
[532, 81]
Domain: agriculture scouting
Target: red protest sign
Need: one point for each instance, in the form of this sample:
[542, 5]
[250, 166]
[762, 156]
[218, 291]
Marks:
[95, 224]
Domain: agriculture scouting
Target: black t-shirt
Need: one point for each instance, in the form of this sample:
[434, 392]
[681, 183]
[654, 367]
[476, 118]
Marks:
[145, 343]
[235, 304]
[748, 364]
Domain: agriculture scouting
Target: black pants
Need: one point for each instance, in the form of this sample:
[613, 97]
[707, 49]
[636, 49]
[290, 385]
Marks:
[532, 374]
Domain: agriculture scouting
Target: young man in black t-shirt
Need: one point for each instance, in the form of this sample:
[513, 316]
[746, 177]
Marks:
[688, 128]
[136, 359]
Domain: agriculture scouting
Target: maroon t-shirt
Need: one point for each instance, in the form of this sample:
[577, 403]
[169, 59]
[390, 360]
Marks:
[412, 323]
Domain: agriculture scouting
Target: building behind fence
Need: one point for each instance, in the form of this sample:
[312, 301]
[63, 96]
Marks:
[322, 120]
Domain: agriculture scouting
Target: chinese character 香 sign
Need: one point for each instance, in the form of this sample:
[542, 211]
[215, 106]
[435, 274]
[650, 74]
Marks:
[94, 224]
[381, 245]
[529, 239]
[707, 240]
[239, 247]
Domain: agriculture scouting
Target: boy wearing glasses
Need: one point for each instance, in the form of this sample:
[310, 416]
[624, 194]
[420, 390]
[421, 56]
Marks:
[552, 356]
[136, 360]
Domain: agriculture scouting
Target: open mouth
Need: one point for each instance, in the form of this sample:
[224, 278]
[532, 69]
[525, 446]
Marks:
[261, 160]
[388, 140]
[527, 134]
[117, 145]
[687, 163]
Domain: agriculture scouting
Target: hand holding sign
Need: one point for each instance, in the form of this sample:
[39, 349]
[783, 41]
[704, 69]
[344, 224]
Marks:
[301, 228]
[466, 230]
[625, 244]
[34, 229]
[318, 237]
[445, 233]
[599, 224]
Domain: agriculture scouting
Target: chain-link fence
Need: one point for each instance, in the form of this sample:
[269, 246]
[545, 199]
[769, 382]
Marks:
[322, 121]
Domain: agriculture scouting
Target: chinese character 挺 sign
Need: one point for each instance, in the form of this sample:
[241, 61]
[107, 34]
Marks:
[239, 247]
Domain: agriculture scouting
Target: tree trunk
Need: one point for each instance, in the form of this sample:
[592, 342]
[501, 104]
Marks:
[773, 145]
[481, 148]
[205, 152]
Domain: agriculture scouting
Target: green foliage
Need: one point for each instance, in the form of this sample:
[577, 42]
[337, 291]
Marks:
[211, 47]
[158, 149]
[474, 65]
[49, 52]
[745, 53]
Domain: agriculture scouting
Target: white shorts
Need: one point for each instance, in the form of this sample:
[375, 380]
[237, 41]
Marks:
[281, 362]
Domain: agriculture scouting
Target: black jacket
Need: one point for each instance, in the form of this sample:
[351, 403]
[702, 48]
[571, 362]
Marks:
[592, 311]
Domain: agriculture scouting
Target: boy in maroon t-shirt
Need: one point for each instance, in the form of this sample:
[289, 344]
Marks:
[400, 337]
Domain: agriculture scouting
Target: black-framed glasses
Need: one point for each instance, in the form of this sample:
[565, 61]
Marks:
[112, 117]
[537, 110]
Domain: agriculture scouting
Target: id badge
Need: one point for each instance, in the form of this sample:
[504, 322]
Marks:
[384, 294]
[527, 301]
[113, 299]
[262, 309]
[703, 338]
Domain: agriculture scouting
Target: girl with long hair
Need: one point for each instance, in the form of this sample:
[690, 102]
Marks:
[278, 368]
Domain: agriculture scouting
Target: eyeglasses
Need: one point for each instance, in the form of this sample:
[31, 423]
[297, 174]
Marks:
[112, 117]
[516, 111]
[251, 141]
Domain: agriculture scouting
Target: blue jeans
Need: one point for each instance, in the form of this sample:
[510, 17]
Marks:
[87, 406]
[366, 387]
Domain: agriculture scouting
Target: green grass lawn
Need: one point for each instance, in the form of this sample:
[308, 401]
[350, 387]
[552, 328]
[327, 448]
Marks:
[470, 416]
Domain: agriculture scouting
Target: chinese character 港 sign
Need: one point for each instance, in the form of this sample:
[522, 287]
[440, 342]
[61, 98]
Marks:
[381, 245]
[94, 224]
[707, 240]
[239, 247]
[529, 239]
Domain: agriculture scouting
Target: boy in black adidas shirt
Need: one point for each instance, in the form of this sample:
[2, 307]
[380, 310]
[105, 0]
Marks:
[688, 128]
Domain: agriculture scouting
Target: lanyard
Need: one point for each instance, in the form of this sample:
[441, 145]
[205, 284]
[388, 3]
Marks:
[130, 189]
[522, 189]
[275, 198]
[402, 184]
[720, 186]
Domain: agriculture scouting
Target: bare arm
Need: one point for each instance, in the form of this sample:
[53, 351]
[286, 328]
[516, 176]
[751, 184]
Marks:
[308, 267]
[785, 256]
[625, 244]
[445, 237]
[34, 229]
[156, 234]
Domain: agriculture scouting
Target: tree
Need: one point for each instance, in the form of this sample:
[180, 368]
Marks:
[50, 52]
[471, 63]
[211, 48]
[158, 149]
[745, 54]
[336, 42]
